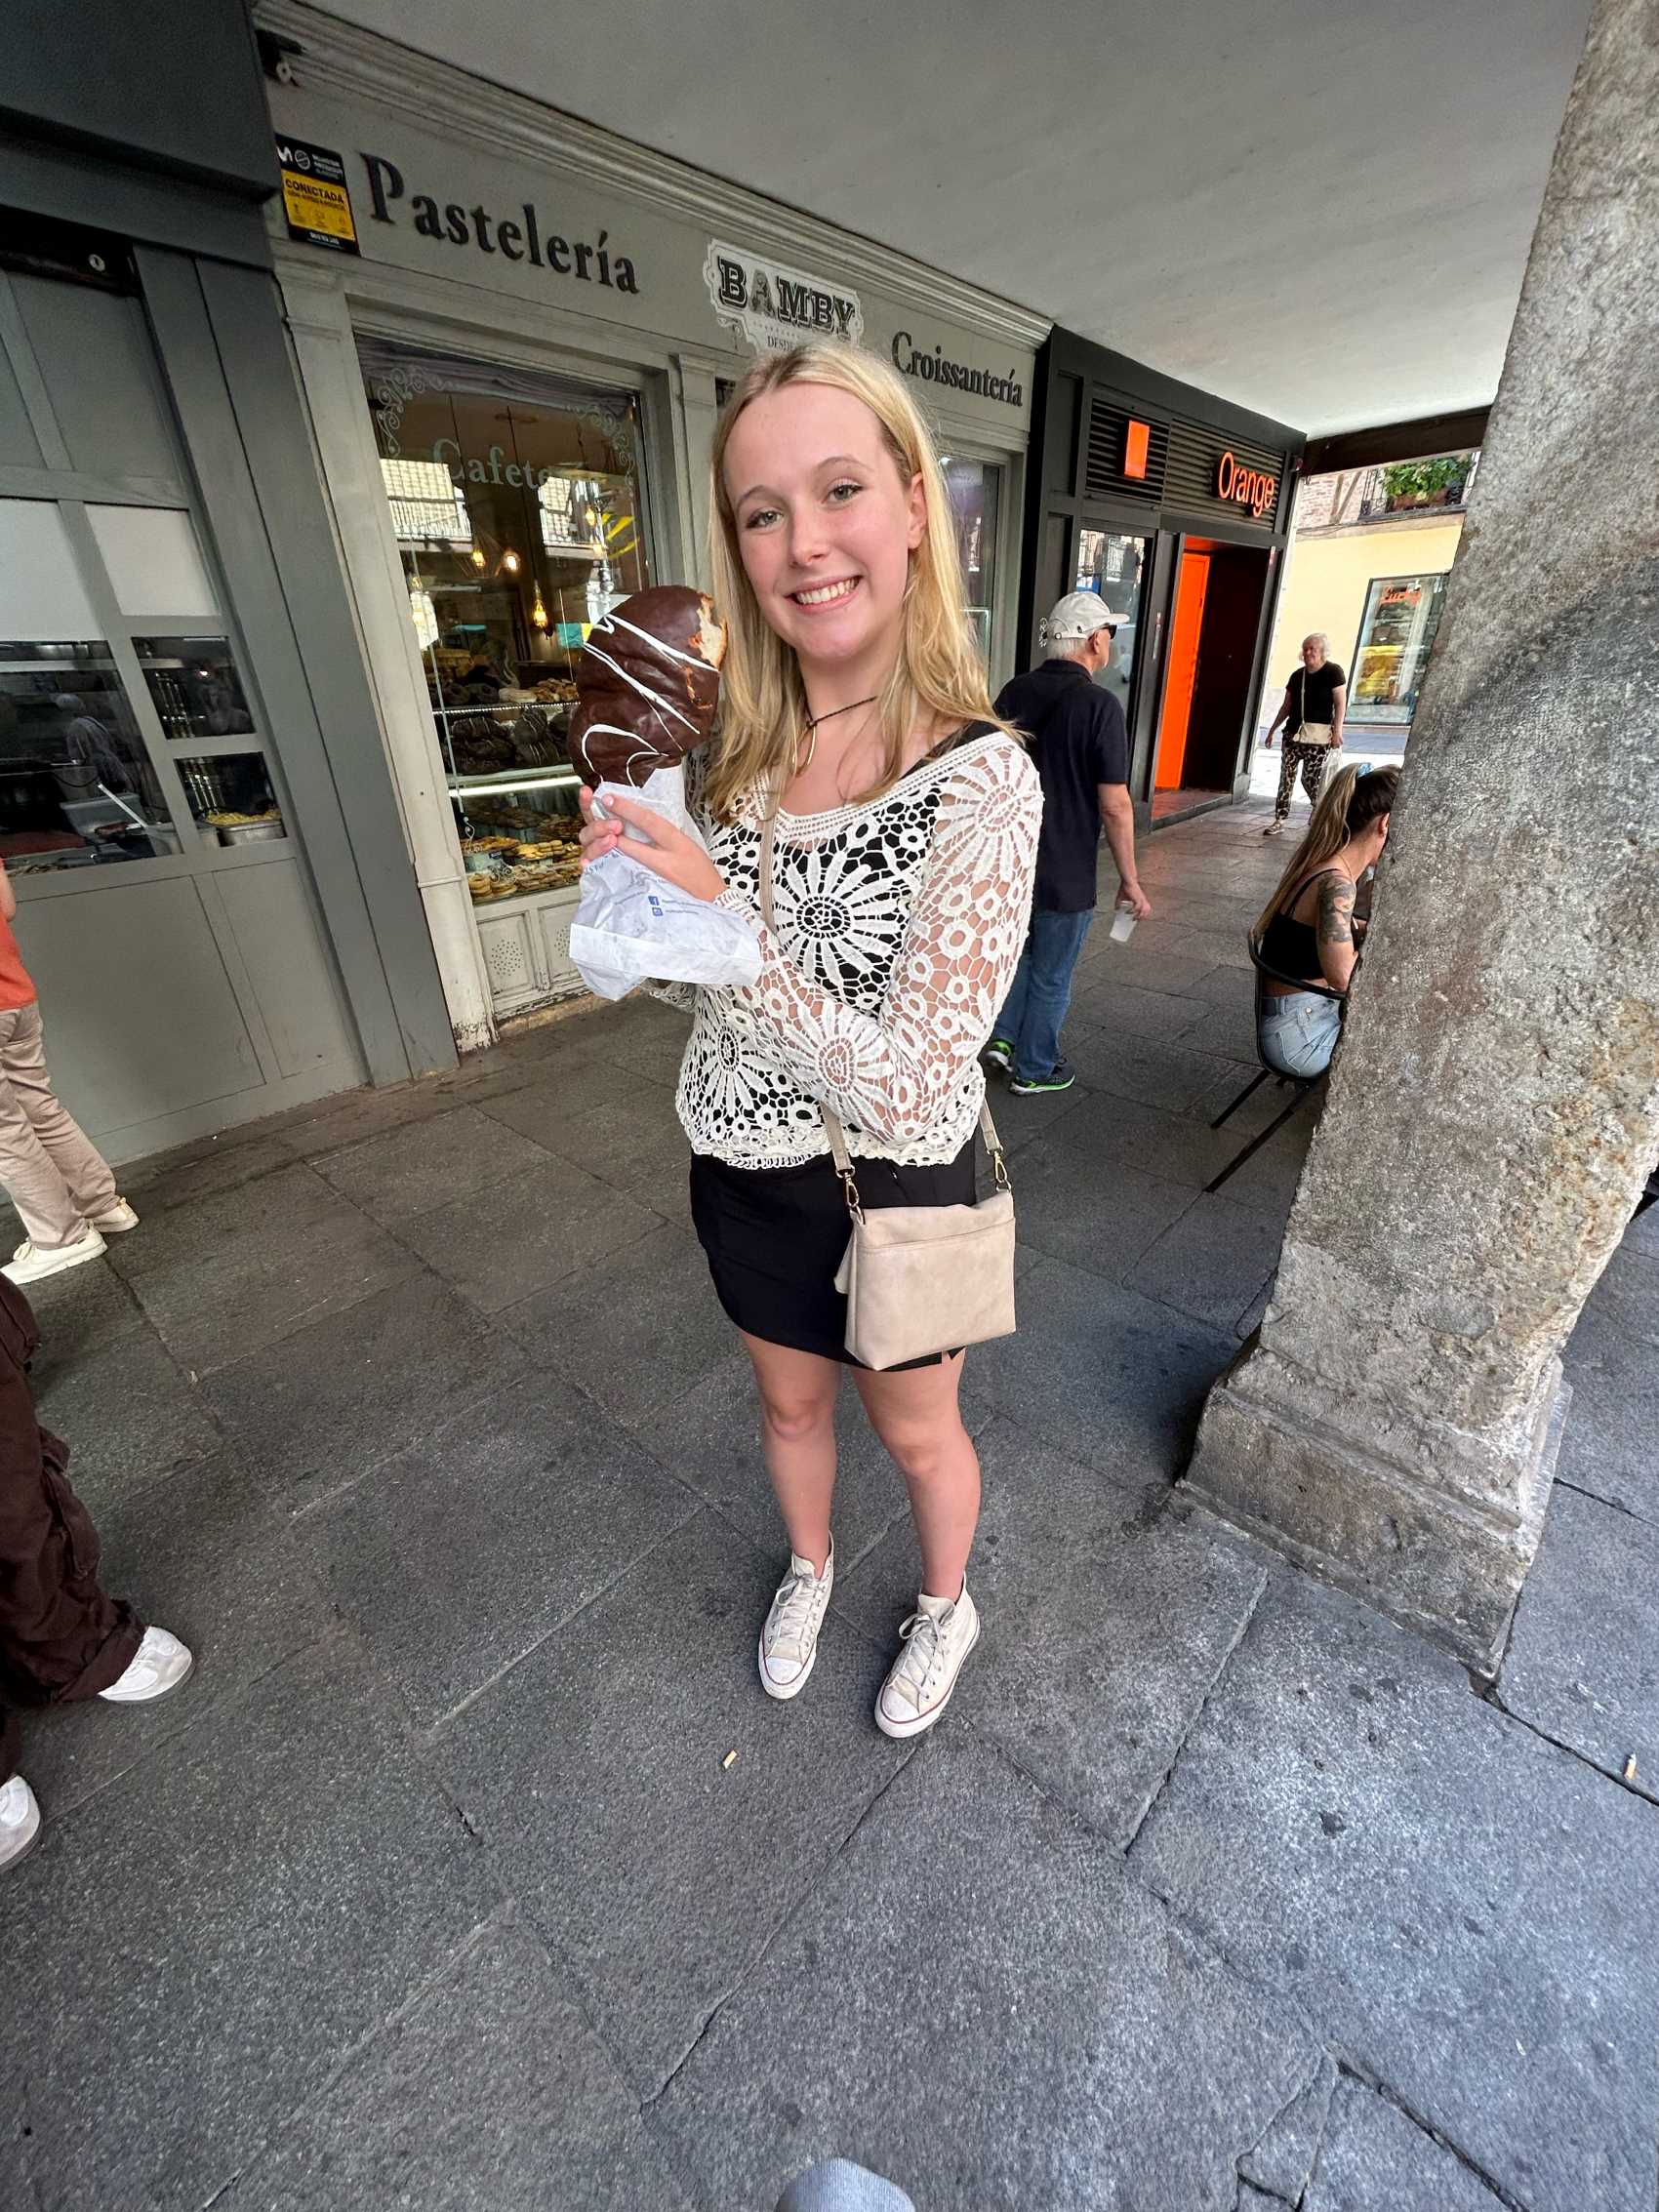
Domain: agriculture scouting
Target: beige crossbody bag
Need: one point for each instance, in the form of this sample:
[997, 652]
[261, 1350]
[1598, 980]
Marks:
[917, 1279]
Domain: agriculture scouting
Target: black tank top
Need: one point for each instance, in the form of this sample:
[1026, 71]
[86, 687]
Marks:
[1292, 947]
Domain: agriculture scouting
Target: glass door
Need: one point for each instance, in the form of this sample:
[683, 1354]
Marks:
[1117, 564]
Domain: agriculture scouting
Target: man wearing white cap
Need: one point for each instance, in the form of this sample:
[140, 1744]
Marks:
[1080, 749]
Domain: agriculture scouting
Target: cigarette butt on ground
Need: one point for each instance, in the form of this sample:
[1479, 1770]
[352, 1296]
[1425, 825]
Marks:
[731, 1760]
[1630, 1767]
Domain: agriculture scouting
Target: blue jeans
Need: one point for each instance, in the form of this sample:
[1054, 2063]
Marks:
[1298, 1032]
[1043, 990]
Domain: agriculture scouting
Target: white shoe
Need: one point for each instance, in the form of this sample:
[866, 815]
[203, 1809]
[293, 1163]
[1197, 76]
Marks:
[159, 1664]
[934, 1644]
[788, 1643]
[120, 1218]
[19, 1820]
[33, 1263]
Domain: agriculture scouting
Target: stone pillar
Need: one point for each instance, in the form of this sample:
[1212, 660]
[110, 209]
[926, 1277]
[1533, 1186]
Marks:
[1495, 1104]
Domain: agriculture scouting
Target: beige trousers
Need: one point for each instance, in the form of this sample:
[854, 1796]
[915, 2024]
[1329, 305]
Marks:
[49, 1168]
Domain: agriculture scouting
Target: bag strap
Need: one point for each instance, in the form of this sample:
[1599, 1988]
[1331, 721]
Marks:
[832, 1125]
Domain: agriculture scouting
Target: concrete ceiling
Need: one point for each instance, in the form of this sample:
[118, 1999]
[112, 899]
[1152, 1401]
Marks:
[1317, 208]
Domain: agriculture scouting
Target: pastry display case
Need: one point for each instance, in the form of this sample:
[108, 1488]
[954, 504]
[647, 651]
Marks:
[515, 501]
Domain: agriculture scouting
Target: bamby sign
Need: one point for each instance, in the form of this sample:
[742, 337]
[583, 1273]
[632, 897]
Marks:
[1251, 488]
[772, 307]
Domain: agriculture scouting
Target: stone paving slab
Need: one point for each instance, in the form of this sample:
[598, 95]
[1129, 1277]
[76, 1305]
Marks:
[1122, 1009]
[1462, 1909]
[899, 2022]
[129, 1415]
[488, 2092]
[200, 1948]
[1583, 1659]
[1280, 2163]
[1373, 2159]
[458, 1555]
[1610, 1445]
[243, 1212]
[1213, 1263]
[81, 1313]
[574, 1084]
[203, 1555]
[636, 1329]
[1105, 1627]
[596, 1775]
[541, 1225]
[1103, 1374]
[429, 1163]
[1073, 1203]
[313, 1414]
[203, 1169]
[1174, 1077]
[252, 1292]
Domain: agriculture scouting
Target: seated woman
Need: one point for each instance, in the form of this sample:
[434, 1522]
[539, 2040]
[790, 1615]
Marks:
[1307, 928]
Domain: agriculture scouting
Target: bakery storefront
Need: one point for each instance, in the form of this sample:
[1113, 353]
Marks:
[1175, 507]
[514, 333]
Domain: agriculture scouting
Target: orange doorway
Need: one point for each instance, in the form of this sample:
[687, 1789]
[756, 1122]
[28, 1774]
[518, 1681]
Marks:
[1185, 630]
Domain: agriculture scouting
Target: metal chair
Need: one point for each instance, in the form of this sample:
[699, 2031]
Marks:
[1301, 1084]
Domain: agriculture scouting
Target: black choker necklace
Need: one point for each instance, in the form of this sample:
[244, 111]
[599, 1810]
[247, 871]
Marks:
[812, 722]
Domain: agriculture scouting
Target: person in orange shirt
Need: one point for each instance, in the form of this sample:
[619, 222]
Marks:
[62, 1186]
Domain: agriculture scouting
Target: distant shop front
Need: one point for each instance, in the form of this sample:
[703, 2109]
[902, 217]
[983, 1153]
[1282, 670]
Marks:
[1174, 504]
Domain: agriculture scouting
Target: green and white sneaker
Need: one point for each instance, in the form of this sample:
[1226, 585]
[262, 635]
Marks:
[934, 1644]
[1000, 1053]
[1060, 1077]
[788, 1643]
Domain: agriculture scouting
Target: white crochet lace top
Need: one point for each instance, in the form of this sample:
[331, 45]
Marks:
[899, 925]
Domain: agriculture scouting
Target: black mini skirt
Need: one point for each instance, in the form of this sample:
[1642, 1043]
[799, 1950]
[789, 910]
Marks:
[776, 1236]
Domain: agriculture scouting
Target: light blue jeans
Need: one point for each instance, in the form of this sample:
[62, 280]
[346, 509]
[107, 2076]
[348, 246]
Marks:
[1298, 1032]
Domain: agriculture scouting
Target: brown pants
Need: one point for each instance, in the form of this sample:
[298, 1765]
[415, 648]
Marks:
[60, 1638]
[50, 1169]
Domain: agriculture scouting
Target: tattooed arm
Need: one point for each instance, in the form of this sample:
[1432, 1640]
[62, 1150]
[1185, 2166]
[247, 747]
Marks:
[1334, 929]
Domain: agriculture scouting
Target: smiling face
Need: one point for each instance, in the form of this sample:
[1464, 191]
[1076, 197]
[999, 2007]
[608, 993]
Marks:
[825, 523]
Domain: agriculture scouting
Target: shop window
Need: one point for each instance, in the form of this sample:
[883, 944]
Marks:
[516, 502]
[76, 785]
[1116, 563]
[231, 799]
[975, 489]
[194, 685]
[1402, 619]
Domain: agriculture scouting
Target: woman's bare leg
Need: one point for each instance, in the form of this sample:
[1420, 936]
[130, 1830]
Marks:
[798, 1434]
[916, 1416]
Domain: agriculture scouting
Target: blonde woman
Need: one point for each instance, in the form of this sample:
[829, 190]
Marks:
[854, 704]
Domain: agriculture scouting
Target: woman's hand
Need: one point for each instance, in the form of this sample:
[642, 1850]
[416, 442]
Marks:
[666, 851]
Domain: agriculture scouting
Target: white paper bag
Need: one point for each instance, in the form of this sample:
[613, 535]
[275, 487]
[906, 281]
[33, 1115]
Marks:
[631, 927]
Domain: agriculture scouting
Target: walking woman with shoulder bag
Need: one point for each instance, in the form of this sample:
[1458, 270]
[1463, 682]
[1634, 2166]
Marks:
[865, 810]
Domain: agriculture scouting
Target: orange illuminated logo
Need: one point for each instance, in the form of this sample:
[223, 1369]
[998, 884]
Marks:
[1251, 488]
[1135, 440]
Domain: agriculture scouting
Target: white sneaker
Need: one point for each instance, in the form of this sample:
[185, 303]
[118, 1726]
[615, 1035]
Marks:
[120, 1218]
[33, 1263]
[19, 1820]
[159, 1664]
[788, 1643]
[934, 1643]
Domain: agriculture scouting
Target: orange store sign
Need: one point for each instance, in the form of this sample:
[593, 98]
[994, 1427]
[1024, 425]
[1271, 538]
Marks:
[1251, 488]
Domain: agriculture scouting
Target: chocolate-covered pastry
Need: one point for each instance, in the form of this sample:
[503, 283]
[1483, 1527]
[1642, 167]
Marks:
[647, 685]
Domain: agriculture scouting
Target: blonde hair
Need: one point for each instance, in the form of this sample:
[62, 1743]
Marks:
[1349, 803]
[939, 672]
